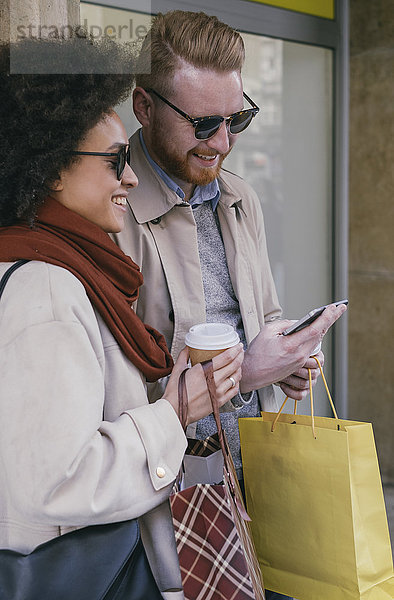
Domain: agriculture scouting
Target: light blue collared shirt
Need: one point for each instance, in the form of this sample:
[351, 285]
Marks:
[202, 193]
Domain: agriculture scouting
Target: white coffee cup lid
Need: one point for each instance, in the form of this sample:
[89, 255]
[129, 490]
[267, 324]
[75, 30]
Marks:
[211, 336]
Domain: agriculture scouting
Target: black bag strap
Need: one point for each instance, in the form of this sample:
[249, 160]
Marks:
[9, 272]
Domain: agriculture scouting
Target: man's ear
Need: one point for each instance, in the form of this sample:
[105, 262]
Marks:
[142, 106]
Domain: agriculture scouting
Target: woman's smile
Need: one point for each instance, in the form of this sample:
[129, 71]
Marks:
[90, 186]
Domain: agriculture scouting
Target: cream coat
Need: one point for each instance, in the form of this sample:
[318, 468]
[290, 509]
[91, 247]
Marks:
[160, 235]
[79, 443]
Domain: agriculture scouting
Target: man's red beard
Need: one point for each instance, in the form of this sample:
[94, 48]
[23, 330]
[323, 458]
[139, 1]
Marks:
[177, 165]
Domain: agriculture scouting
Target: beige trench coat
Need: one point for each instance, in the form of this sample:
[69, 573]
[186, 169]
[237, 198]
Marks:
[160, 235]
[79, 443]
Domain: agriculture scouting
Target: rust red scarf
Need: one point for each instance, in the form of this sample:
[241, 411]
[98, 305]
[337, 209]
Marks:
[111, 279]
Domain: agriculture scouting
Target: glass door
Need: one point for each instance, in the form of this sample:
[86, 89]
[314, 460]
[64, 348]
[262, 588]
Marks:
[286, 157]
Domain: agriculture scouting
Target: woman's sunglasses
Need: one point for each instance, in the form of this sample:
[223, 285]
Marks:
[122, 157]
[206, 127]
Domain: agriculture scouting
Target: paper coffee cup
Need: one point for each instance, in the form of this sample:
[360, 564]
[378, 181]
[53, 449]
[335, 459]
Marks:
[206, 340]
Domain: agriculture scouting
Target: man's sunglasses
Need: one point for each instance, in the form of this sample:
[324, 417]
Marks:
[122, 157]
[206, 127]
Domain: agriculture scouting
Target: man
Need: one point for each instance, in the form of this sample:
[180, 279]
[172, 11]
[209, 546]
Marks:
[197, 230]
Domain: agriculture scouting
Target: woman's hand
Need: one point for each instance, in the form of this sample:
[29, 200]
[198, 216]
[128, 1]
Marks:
[225, 365]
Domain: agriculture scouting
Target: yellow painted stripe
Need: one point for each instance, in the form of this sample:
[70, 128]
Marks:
[318, 8]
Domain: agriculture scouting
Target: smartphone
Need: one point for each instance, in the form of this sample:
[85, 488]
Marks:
[309, 318]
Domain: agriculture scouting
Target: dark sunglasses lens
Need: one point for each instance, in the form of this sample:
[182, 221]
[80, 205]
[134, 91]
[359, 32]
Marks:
[123, 157]
[207, 127]
[241, 122]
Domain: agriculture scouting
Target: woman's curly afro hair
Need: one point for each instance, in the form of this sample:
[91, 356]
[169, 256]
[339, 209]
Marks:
[44, 117]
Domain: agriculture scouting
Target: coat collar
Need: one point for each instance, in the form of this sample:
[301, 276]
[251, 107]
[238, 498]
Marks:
[153, 198]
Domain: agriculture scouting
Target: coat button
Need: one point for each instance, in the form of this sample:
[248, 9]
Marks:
[156, 221]
[160, 472]
[171, 315]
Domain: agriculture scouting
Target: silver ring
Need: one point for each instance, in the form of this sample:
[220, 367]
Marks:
[233, 384]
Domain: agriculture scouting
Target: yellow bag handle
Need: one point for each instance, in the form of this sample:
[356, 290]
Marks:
[274, 422]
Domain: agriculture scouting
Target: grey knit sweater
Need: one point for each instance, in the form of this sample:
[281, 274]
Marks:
[221, 306]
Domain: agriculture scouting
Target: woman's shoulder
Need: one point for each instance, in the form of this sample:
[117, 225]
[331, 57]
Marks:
[38, 292]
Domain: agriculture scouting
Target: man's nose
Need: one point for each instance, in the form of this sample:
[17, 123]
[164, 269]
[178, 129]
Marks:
[221, 140]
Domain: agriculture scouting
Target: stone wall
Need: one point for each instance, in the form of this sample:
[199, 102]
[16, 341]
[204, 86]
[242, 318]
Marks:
[371, 252]
[31, 15]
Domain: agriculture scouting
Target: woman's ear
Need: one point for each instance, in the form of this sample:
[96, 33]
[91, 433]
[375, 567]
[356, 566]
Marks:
[56, 185]
[142, 106]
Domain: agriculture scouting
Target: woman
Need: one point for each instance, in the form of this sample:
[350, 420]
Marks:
[80, 444]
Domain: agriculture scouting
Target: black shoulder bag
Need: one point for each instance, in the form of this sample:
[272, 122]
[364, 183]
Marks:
[99, 562]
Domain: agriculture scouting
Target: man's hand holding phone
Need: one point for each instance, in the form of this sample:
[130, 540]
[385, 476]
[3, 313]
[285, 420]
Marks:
[284, 359]
[296, 385]
[310, 317]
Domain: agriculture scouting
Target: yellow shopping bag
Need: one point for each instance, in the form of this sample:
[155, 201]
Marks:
[318, 515]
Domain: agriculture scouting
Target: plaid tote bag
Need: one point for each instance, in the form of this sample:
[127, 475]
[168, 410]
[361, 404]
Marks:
[215, 548]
